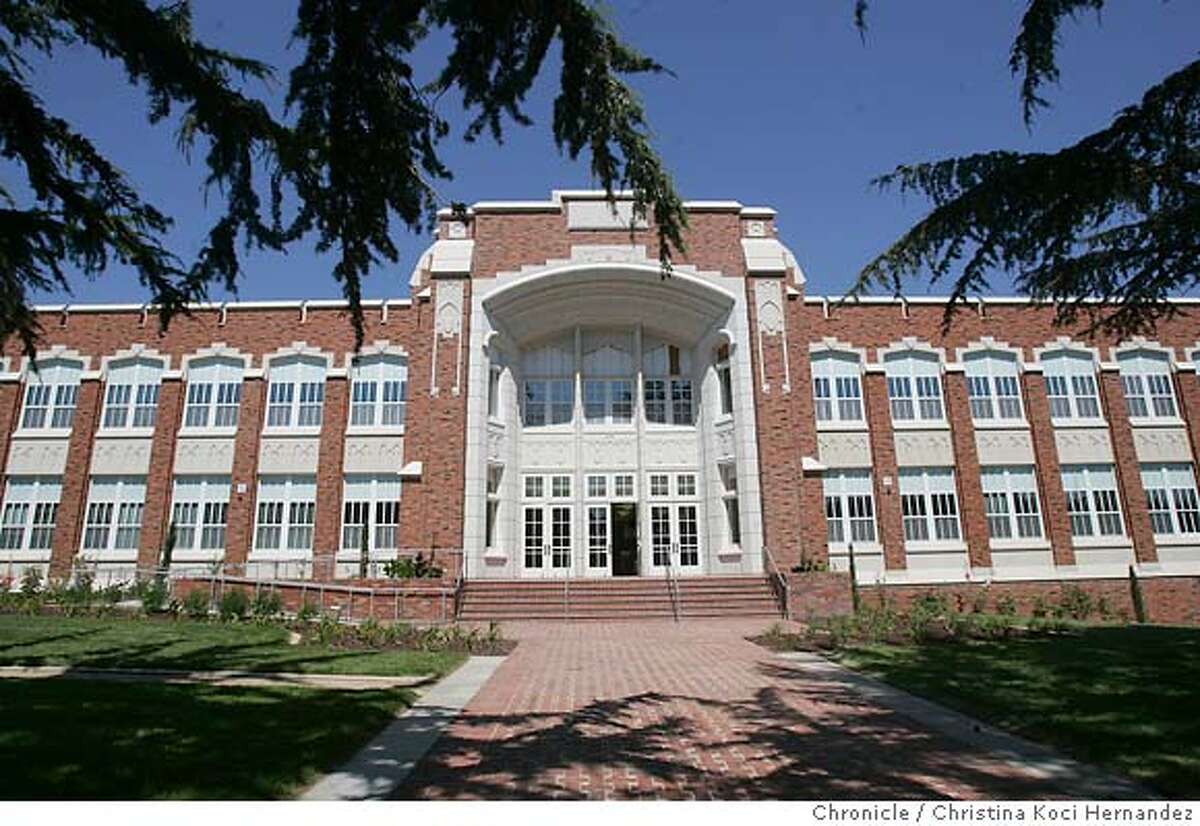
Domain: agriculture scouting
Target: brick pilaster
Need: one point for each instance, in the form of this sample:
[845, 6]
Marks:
[327, 533]
[1048, 471]
[1129, 475]
[967, 475]
[1188, 389]
[239, 530]
[10, 412]
[883, 464]
[157, 514]
[69, 524]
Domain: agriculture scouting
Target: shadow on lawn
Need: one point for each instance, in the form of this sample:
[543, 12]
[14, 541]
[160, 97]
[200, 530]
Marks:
[682, 746]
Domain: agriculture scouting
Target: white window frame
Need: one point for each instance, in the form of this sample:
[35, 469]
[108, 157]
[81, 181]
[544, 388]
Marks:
[213, 396]
[990, 372]
[1011, 504]
[131, 390]
[668, 393]
[837, 386]
[604, 403]
[1072, 386]
[849, 503]
[1147, 379]
[1172, 498]
[915, 387]
[200, 516]
[1088, 486]
[295, 389]
[724, 370]
[30, 508]
[115, 510]
[378, 393]
[292, 510]
[51, 395]
[380, 493]
[939, 511]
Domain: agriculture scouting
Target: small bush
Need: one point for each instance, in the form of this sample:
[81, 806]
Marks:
[154, 597]
[267, 604]
[1075, 603]
[195, 604]
[979, 601]
[234, 605]
[307, 612]
[31, 582]
[1041, 608]
[1006, 606]
[413, 567]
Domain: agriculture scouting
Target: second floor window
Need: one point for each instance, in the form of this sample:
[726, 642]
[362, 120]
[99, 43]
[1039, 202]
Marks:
[378, 391]
[297, 392]
[1146, 380]
[131, 393]
[214, 393]
[914, 383]
[1071, 385]
[837, 387]
[51, 393]
[993, 385]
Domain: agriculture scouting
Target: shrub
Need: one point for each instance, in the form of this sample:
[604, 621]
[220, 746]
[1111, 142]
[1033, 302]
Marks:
[154, 597]
[267, 604]
[1075, 603]
[234, 605]
[1040, 607]
[979, 601]
[414, 567]
[1006, 606]
[195, 604]
[307, 612]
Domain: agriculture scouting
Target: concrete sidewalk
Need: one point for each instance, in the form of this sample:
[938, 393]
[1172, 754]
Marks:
[258, 679]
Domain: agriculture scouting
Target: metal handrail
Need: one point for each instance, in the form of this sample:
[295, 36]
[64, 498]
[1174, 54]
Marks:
[672, 585]
[779, 582]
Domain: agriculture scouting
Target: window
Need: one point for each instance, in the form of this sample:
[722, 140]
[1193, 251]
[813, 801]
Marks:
[1070, 378]
[533, 487]
[549, 401]
[1092, 500]
[378, 391]
[1146, 380]
[837, 387]
[725, 380]
[371, 503]
[666, 391]
[493, 396]
[733, 521]
[50, 394]
[114, 513]
[30, 512]
[286, 513]
[1011, 502]
[1171, 498]
[597, 487]
[297, 392]
[660, 484]
[929, 504]
[914, 381]
[849, 507]
[199, 512]
[560, 487]
[685, 484]
[131, 393]
[623, 485]
[993, 385]
[214, 392]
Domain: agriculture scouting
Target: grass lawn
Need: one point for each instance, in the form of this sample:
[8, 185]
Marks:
[190, 645]
[65, 739]
[1124, 697]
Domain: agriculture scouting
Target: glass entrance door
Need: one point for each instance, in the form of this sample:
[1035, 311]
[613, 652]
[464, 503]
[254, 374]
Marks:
[623, 519]
[675, 537]
[547, 540]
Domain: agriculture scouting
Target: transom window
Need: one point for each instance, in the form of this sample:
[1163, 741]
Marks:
[1146, 380]
[51, 393]
[666, 386]
[993, 385]
[199, 512]
[30, 512]
[914, 381]
[623, 485]
[286, 513]
[837, 387]
[214, 392]
[1011, 502]
[371, 504]
[1171, 498]
[114, 513]
[929, 504]
[608, 377]
[1071, 385]
[378, 391]
[296, 395]
[131, 393]
[549, 387]
[849, 507]
[597, 487]
[1092, 500]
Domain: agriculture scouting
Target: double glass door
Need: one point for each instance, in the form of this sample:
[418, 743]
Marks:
[547, 539]
[674, 536]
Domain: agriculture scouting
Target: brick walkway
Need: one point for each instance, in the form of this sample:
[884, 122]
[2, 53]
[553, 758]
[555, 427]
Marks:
[660, 710]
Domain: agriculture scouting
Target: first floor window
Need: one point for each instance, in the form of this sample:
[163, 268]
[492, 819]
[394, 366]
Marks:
[114, 513]
[1171, 498]
[30, 512]
[199, 512]
[286, 513]
[371, 508]
[929, 504]
[1011, 502]
[1092, 500]
[849, 507]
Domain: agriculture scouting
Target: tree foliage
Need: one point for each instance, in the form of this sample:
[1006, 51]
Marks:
[1114, 217]
[356, 152]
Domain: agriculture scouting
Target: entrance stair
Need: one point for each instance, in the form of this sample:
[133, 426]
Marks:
[618, 598]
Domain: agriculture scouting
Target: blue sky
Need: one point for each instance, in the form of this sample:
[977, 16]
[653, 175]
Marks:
[772, 103]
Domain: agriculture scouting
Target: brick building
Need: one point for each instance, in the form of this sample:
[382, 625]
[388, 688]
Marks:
[549, 404]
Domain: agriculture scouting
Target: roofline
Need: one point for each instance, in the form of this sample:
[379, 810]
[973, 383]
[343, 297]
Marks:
[560, 196]
[297, 304]
[934, 299]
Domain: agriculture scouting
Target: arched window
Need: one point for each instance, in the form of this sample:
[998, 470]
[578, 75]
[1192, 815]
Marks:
[837, 386]
[667, 383]
[214, 392]
[993, 385]
[914, 380]
[378, 391]
[608, 378]
[131, 393]
[1071, 384]
[51, 392]
[1146, 379]
[549, 397]
[297, 392]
